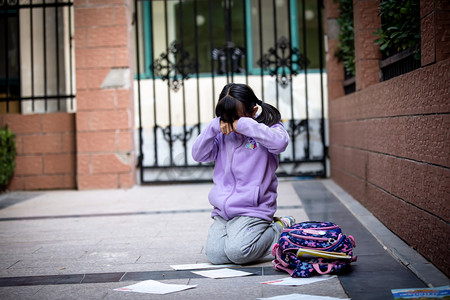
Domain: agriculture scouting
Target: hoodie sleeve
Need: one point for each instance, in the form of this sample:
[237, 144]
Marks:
[274, 138]
[206, 145]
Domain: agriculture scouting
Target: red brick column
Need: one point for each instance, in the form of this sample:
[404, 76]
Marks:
[434, 30]
[104, 119]
[335, 69]
[367, 55]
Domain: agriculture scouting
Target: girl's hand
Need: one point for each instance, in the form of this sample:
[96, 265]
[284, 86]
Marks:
[225, 127]
[228, 128]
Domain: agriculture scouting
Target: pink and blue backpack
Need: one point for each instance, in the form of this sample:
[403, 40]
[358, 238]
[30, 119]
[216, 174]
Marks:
[307, 248]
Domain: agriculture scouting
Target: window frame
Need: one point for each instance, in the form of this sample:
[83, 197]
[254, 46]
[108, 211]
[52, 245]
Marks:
[147, 28]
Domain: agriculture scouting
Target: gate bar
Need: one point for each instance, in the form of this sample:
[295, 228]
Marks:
[291, 88]
[197, 72]
[44, 30]
[32, 58]
[261, 47]
[169, 98]
[322, 129]
[212, 61]
[275, 35]
[138, 69]
[180, 5]
[306, 81]
[152, 58]
[244, 7]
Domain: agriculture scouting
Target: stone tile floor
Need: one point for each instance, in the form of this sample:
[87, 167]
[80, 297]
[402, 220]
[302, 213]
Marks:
[84, 244]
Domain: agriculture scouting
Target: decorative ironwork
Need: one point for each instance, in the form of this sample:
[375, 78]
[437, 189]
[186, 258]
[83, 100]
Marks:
[175, 66]
[297, 127]
[283, 61]
[184, 136]
[9, 2]
[235, 53]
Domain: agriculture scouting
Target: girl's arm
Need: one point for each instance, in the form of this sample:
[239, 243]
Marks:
[206, 146]
[274, 138]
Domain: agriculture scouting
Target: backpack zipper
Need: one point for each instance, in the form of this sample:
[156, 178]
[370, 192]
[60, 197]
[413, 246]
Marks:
[315, 228]
[309, 237]
[234, 179]
[335, 242]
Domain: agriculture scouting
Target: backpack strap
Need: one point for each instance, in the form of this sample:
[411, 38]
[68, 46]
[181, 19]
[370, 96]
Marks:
[280, 267]
[319, 270]
[352, 240]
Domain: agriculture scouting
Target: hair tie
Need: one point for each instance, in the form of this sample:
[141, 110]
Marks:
[259, 102]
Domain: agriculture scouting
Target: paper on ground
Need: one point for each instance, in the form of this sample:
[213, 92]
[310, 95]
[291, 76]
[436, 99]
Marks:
[302, 297]
[199, 266]
[299, 281]
[222, 273]
[155, 287]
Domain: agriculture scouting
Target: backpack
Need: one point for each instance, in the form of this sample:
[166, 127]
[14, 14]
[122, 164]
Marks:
[313, 247]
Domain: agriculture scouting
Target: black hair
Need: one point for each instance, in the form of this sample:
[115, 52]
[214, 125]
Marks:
[237, 96]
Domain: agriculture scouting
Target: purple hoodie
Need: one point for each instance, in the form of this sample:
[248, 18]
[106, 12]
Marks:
[244, 177]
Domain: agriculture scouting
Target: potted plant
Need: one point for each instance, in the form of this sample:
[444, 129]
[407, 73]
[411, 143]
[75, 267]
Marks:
[7, 156]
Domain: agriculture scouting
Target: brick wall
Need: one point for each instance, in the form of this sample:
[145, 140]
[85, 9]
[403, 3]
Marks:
[105, 140]
[45, 151]
[389, 141]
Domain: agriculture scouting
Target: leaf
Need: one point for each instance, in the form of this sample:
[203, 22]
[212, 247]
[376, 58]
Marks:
[392, 27]
[395, 34]
[384, 46]
[378, 41]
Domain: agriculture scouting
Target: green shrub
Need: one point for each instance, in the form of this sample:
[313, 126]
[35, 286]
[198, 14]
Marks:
[400, 29]
[346, 45]
[7, 156]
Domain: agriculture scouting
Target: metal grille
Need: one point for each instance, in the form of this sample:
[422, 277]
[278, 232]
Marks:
[187, 50]
[398, 64]
[36, 56]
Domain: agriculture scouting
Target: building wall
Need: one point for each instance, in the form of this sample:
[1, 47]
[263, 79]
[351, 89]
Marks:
[45, 150]
[389, 141]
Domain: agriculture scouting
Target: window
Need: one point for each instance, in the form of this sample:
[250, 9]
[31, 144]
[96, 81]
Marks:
[36, 56]
[207, 29]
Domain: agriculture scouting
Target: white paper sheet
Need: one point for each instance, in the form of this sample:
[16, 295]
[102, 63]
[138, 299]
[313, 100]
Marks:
[302, 297]
[299, 281]
[222, 273]
[154, 287]
[199, 266]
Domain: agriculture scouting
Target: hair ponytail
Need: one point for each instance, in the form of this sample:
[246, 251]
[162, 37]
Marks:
[269, 114]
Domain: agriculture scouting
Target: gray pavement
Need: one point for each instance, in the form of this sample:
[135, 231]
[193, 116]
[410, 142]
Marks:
[84, 244]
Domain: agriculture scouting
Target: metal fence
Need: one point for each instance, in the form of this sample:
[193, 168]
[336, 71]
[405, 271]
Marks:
[398, 64]
[36, 56]
[187, 50]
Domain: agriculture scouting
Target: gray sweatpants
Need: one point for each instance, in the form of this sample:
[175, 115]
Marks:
[241, 240]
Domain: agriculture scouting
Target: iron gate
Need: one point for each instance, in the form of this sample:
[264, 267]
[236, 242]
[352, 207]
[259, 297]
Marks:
[187, 50]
